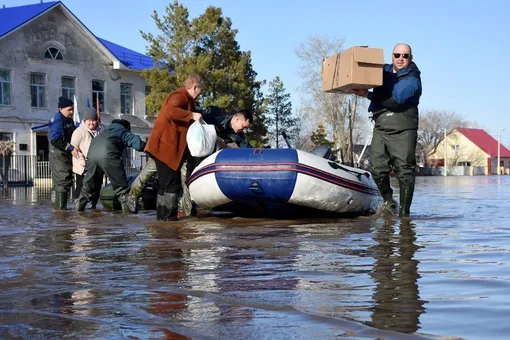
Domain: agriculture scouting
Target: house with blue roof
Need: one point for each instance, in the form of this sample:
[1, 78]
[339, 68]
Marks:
[47, 52]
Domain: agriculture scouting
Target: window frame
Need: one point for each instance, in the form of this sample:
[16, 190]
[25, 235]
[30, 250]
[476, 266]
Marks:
[100, 93]
[52, 55]
[68, 89]
[126, 98]
[9, 136]
[40, 89]
[7, 84]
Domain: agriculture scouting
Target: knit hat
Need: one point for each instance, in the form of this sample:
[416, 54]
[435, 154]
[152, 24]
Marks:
[89, 114]
[64, 102]
[123, 122]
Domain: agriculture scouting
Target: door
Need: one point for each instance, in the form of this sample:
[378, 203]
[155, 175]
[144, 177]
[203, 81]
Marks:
[42, 147]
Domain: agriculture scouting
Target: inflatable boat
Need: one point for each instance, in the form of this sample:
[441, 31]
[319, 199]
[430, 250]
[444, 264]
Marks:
[281, 183]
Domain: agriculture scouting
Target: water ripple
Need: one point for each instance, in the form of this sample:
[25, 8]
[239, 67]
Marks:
[103, 275]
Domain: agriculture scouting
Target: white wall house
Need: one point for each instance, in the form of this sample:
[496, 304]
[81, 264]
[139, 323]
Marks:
[472, 147]
[45, 53]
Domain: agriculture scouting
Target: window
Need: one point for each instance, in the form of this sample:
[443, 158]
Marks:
[68, 87]
[455, 148]
[98, 93]
[38, 89]
[53, 53]
[126, 99]
[5, 87]
[5, 136]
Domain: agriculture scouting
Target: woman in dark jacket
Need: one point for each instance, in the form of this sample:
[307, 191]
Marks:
[105, 157]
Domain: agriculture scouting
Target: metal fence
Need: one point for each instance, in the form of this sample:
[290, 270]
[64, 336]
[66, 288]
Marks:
[16, 170]
[43, 169]
[458, 170]
[26, 171]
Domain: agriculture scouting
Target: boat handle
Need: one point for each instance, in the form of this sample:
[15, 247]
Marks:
[256, 188]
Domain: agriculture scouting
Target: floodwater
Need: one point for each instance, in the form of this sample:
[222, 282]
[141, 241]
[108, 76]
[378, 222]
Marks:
[443, 275]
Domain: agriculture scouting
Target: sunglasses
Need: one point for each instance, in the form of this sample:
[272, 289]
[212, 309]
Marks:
[404, 55]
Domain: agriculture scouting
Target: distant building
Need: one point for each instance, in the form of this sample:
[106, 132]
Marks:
[471, 147]
[47, 52]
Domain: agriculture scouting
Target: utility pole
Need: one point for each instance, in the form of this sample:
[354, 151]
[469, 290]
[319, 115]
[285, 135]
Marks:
[351, 153]
[445, 152]
[499, 151]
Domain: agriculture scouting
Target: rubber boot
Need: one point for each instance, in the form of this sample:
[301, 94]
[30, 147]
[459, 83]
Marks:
[124, 204]
[54, 200]
[132, 204]
[81, 203]
[189, 209]
[159, 206]
[388, 209]
[389, 206]
[406, 198]
[167, 207]
[93, 201]
[63, 200]
[193, 212]
[383, 184]
[59, 200]
[188, 206]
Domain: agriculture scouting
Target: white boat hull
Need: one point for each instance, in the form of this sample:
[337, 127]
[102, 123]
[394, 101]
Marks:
[281, 181]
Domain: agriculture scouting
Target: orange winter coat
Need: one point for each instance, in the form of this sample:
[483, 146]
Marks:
[167, 141]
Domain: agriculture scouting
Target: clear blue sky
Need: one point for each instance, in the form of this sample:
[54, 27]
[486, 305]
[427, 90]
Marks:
[461, 47]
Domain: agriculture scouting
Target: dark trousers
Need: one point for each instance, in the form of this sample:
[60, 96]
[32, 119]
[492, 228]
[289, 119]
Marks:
[78, 184]
[61, 165]
[94, 174]
[395, 151]
[169, 180]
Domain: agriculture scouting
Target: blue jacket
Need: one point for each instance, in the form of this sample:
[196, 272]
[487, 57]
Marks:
[61, 131]
[221, 120]
[399, 92]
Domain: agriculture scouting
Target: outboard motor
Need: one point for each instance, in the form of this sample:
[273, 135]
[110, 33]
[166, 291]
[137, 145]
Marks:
[324, 151]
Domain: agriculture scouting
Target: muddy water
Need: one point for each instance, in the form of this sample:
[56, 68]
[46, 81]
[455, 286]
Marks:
[104, 275]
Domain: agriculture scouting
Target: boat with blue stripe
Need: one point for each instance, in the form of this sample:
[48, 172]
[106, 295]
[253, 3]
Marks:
[281, 183]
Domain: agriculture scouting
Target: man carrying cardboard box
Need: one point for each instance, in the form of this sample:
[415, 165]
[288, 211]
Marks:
[358, 67]
[394, 107]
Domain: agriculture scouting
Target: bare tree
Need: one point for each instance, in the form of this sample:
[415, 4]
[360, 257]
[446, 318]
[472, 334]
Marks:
[331, 108]
[6, 149]
[433, 124]
[473, 157]
[303, 139]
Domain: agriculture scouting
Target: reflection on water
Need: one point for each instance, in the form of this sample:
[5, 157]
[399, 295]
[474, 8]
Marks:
[397, 302]
[104, 275]
[32, 194]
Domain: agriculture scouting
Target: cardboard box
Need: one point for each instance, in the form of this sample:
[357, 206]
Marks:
[358, 67]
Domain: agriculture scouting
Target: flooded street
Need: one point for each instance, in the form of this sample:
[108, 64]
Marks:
[104, 275]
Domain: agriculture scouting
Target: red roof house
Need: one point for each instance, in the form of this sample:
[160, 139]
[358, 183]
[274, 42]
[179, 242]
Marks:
[471, 147]
[485, 142]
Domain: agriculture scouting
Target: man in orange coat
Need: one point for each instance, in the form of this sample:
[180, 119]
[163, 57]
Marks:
[167, 144]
